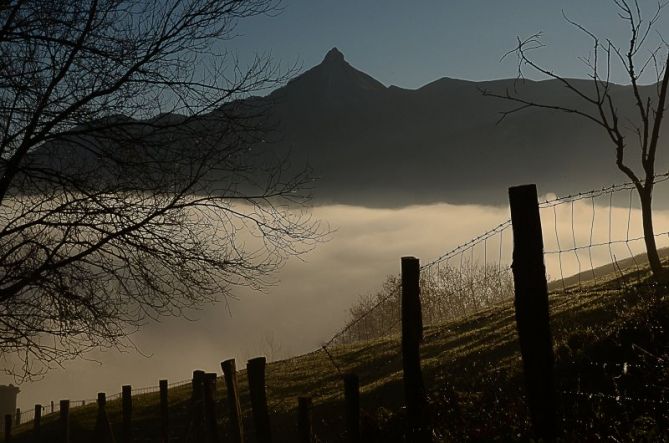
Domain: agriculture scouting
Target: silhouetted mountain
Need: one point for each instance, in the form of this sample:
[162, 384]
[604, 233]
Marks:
[388, 146]
[374, 145]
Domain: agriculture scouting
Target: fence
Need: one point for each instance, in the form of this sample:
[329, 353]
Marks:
[53, 407]
[587, 237]
[591, 245]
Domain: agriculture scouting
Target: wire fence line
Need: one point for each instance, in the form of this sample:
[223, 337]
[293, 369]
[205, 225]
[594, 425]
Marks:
[589, 238]
[606, 190]
[53, 407]
[593, 244]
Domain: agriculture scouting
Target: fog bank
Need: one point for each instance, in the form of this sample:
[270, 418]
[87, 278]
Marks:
[311, 295]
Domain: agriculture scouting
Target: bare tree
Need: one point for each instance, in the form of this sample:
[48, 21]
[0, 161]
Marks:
[600, 103]
[133, 181]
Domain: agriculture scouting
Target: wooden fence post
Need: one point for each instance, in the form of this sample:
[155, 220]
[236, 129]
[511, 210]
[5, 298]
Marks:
[17, 419]
[210, 407]
[37, 422]
[103, 432]
[531, 303]
[236, 421]
[255, 371]
[65, 421]
[197, 431]
[52, 406]
[164, 412]
[352, 403]
[126, 430]
[419, 429]
[304, 420]
[8, 428]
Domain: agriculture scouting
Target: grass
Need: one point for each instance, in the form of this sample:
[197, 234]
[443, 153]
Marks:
[609, 342]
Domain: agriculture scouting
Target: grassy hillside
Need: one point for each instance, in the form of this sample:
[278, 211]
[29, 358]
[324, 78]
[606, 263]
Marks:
[626, 272]
[612, 374]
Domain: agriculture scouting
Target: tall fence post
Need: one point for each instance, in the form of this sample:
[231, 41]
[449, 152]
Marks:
[236, 423]
[304, 420]
[37, 422]
[255, 371]
[65, 421]
[412, 335]
[17, 420]
[126, 431]
[196, 428]
[210, 407]
[164, 412]
[352, 403]
[531, 303]
[8, 427]
[103, 432]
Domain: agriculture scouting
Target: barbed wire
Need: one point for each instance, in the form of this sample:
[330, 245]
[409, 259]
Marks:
[659, 178]
[502, 262]
[470, 244]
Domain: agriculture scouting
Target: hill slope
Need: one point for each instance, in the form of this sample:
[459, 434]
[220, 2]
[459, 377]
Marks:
[611, 349]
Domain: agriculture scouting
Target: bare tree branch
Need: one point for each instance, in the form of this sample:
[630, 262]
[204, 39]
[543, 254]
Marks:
[134, 182]
[601, 108]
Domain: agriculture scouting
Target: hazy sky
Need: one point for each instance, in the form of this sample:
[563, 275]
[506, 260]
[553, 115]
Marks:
[409, 44]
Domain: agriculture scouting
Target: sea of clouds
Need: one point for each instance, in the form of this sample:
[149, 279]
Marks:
[311, 295]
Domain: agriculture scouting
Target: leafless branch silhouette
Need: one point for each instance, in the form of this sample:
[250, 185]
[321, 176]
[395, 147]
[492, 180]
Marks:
[134, 182]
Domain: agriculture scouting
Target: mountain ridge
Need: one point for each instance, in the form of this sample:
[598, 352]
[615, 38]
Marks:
[443, 142]
[385, 146]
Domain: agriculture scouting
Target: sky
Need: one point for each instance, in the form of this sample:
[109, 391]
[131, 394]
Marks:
[410, 44]
[407, 44]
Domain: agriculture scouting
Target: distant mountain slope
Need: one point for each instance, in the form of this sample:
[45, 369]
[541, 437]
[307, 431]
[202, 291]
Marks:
[381, 146]
[373, 145]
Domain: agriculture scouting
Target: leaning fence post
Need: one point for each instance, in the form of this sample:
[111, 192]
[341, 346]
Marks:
[304, 420]
[210, 406]
[412, 335]
[37, 422]
[236, 423]
[255, 371]
[65, 421]
[126, 431]
[352, 403]
[8, 428]
[164, 412]
[531, 302]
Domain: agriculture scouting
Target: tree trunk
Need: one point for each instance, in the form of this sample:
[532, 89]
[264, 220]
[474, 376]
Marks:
[646, 198]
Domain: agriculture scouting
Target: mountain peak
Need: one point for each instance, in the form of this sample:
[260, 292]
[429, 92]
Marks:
[333, 55]
[334, 79]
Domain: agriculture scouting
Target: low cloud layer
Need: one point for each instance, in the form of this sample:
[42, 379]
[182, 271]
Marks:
[310, 299]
